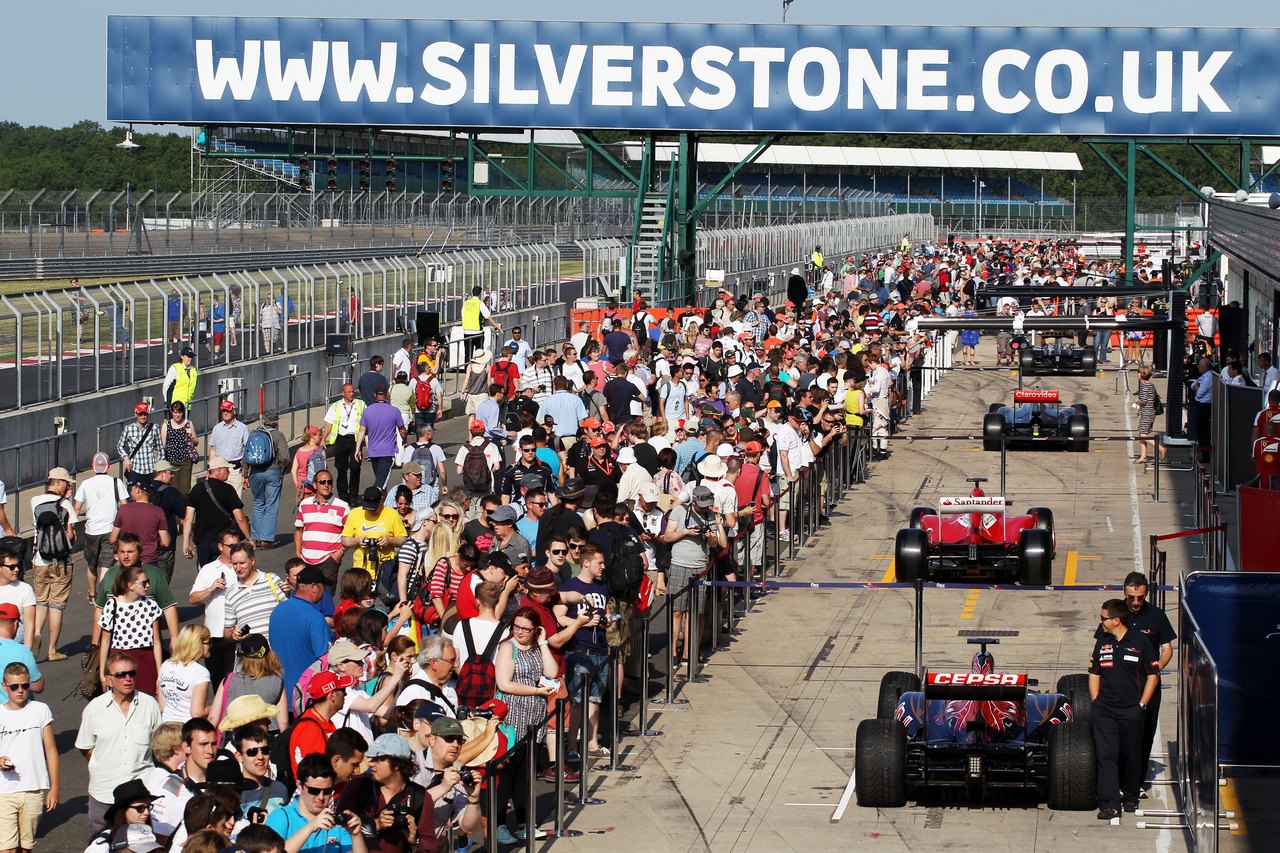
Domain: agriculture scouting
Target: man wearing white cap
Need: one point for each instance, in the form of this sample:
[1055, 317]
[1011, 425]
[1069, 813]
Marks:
[54, 519]
[634, 476]
[98, 498]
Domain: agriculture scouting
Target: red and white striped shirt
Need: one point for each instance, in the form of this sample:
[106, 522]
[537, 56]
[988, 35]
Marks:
[321, 525]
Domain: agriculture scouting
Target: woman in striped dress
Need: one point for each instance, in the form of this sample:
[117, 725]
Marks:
[519, 665]
[1146, 415]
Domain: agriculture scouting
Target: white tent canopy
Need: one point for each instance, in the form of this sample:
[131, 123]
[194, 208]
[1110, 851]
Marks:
[896, 158]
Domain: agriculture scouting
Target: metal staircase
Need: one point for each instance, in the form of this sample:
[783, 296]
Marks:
[646, 252]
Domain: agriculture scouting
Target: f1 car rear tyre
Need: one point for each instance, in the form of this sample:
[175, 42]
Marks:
[1027, 361]
[1044, 521]
[992, 432]
[1035, 557]
[1073, 773]
[892, 686]
[994, 408]
[911, 555]
[1075, 688]
[1078, 430]
[1089, 361]
[880, 764]
[918, 513]
[1081, 409]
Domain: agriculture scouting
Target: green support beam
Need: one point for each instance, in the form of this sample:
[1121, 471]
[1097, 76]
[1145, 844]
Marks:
[594, 145]
[1209, 263]
[1130, 206]
[761, 147]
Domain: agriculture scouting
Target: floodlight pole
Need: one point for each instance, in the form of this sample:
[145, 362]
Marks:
[785, 5]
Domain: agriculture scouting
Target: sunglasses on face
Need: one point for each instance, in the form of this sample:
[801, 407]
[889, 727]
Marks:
[255, 751]
[319, 792]
[18, 685]
[558, 552]
[324, 482]
[450, 738]
[449, 516]
[124, 673]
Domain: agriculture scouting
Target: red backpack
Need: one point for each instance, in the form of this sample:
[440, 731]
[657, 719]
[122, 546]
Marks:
[477, 682]
[507, 381]
[424, 395]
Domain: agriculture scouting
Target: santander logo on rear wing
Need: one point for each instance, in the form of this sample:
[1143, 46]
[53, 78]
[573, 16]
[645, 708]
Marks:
[1035, 395]
[971, 503]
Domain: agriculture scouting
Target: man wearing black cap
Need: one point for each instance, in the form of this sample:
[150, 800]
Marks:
[373, 521]
[300, 631]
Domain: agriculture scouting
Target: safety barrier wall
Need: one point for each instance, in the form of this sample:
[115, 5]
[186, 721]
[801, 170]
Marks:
[1198, 736]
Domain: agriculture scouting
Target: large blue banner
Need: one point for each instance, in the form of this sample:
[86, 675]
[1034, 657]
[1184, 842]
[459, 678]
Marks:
[1239, 618]
[725, 77]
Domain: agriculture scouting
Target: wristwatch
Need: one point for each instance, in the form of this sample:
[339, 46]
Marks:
[1142, 705]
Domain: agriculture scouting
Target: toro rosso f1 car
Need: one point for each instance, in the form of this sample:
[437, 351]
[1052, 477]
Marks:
[1060, 357]
[1037, 416]
[975, 732]
[975, 535]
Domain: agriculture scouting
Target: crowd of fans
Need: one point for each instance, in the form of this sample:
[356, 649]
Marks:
[433, 618]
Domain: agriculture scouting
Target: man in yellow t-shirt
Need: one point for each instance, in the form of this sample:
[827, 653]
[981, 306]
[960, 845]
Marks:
[855, 404]
[371, 520]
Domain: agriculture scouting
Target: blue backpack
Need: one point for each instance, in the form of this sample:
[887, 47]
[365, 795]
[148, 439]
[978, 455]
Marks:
[316, 463]
[258, 450]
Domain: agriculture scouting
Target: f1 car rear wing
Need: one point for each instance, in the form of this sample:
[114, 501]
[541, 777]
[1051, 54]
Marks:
[1035, 395]
[971, 503]
[988, 686]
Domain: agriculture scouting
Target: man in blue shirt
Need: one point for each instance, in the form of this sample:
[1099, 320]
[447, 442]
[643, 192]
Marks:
[298, 630]
[308, 823]
[564, 408]
[11, 651]
[1202, 408]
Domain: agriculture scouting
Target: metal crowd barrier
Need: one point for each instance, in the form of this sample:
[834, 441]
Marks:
[1208, 518]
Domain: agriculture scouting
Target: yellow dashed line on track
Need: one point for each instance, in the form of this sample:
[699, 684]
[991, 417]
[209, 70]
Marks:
[1231, 803]
[1072, 559]
[970, 604]
[890, 573]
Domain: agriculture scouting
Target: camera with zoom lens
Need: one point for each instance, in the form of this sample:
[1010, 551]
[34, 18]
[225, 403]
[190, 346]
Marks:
[468, 777]
[400, 816]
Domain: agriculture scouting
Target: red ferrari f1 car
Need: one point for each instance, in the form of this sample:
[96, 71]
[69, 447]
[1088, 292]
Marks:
[975, 536]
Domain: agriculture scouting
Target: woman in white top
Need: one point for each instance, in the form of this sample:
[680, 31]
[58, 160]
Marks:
[184, 680]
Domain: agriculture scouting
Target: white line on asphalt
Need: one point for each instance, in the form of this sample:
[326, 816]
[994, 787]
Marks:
[844, 799]
[1163, 838]
[1111, 528]
[819, 805]
[833, 749]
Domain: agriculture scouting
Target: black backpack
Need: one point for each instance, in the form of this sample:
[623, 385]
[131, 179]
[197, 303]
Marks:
[280, 757]
[51, 540]
[691, 474]
[477, 478]
[625, 567]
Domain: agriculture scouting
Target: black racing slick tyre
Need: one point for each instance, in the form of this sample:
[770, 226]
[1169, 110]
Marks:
[911, 555]
[1073, 774]
[880, 764]
[1044, 521]
[1035, 558]
[1081, 409]
[892, 686]
[992, 432]
[1027, 362]
[1075, 689]
[1078, 431]
[1089, 361]
[994, 408]
[916, 519]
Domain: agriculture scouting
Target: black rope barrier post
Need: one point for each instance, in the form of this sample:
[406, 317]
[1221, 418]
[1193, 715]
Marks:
[644, 730]
[562, 752]
[713, 608]
[1159, 447]
[584, 697]
[612, 685]
[670, 701]
[531, 793]
[920, 627]
[793, 518]
[693, 634]
[491, 799]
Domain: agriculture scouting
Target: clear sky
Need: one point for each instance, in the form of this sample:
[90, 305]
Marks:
[52, 67]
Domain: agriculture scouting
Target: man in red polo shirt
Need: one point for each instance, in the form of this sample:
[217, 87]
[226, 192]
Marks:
[752, 486]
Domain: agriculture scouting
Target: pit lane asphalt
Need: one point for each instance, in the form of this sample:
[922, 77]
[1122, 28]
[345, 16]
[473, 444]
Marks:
[762, 756]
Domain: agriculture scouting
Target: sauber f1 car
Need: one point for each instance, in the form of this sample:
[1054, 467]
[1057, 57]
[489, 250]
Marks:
[968, 537]
[975, 732]
[1055, 357]
[1037, 416]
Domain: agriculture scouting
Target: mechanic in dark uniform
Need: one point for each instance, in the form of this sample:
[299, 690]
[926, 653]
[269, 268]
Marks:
[1154, 624]
[1123, 676]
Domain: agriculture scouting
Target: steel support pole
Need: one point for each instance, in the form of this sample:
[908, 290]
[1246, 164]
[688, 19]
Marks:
[1130, 207]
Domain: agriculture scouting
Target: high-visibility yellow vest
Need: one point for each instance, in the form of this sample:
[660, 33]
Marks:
[471, 315]
[357, 411]
[184, 387]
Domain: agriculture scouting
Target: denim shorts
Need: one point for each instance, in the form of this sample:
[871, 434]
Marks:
[579, 664]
